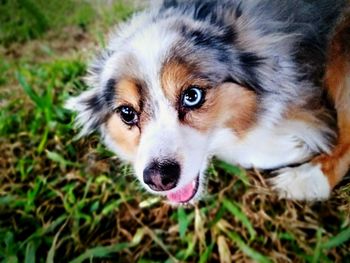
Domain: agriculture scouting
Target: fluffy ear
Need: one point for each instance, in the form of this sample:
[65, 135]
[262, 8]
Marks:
[91, 110]
[91, 105]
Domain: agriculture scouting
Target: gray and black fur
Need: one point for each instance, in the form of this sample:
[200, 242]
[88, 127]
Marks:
[275, 48]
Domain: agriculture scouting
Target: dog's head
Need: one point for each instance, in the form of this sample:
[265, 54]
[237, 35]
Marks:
[168, 89]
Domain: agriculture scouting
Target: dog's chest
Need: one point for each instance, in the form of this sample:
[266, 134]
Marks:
[263, 148]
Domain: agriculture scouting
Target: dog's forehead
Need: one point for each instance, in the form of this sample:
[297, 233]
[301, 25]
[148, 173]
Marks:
[150, 52]
[166, 63]
[151, 48]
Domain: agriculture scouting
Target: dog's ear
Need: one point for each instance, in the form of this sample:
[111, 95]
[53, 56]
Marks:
[91, 110]
[91, 105]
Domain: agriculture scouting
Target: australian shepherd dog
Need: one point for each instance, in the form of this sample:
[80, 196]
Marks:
[262, 84]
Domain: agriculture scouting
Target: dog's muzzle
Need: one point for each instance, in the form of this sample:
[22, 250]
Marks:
[163, 176]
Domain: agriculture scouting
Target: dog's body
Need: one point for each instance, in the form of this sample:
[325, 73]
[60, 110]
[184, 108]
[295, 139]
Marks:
[252, 82]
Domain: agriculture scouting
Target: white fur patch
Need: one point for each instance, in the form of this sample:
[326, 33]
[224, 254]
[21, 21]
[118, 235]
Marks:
[306, 182]
[266, 147]
[164, 138]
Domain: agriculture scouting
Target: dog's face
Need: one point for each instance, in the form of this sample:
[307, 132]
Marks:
[165, 128]
[160, 100]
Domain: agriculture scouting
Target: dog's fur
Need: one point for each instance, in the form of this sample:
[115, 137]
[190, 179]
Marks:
[276, 81]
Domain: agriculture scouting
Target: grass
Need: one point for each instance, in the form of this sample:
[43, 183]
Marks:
[69, 200]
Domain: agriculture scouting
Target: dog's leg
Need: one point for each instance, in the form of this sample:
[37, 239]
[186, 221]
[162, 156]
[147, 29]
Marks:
[314, 180]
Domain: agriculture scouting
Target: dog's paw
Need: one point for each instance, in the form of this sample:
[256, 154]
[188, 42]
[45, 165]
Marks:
[305, 182]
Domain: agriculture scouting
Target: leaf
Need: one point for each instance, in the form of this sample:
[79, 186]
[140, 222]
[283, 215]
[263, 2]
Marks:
[183, 221]
[224, 250]
[43, 140]
[51, 254]
[39, 233]
[149, 202]
[338, 240]
[29, 91]
[30, 253]
[191, 245]
[94, 206]
[235, 210]
[229, 168]
[217, 217]
[199, 226]
[100, 252]
[112, 206]
[56, 157]
[206, 255]
[246, 249]
[317, 251]
[140, 233]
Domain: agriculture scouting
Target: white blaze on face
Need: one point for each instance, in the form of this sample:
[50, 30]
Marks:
[165, 138]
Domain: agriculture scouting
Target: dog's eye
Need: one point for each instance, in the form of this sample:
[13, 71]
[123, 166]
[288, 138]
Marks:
[128, 115]
[193, 97]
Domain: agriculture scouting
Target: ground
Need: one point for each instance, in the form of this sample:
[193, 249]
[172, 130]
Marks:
[64, 199]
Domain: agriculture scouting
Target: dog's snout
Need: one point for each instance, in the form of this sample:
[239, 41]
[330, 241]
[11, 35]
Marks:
[162, 175]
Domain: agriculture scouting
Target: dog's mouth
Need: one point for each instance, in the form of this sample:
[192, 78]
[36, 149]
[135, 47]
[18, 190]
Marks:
[186, 193]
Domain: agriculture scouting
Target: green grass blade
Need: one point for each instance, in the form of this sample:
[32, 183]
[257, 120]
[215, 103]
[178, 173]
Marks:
[43, 140]
[206, 255]
[338, 240]
[229, 168]
[100, 252]
[140, 233]
[235, 210]
[218, 216]
[30, 253]
[183, 221]
[29, 91]
[40, 232]
[318, 250]
[246, 249]
[58, 158]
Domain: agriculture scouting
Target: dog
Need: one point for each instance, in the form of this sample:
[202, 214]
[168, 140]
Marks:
[261, 84]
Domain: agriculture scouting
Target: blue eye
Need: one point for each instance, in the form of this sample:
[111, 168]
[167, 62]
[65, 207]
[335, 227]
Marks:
[192, 97]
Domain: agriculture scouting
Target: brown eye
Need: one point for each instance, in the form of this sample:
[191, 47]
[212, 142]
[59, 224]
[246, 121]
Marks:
[193, 97]
[128, 115]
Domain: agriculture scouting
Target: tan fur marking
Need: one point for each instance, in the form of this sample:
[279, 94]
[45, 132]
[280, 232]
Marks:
[127, 138]
[128, 92]
[177, 77]
[337, 164]
[228, 105]
[302, 115]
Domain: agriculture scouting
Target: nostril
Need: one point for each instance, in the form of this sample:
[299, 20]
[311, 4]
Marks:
[149, 172]
[162, 176]
[170, 172]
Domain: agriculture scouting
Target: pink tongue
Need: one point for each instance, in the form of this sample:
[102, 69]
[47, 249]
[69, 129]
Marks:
[183, 194]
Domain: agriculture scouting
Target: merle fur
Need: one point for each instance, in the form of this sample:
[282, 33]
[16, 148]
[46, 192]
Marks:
[213, 45]
[312, 21]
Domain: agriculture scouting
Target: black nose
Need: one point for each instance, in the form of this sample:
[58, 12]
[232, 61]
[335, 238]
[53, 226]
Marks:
[162, 175]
